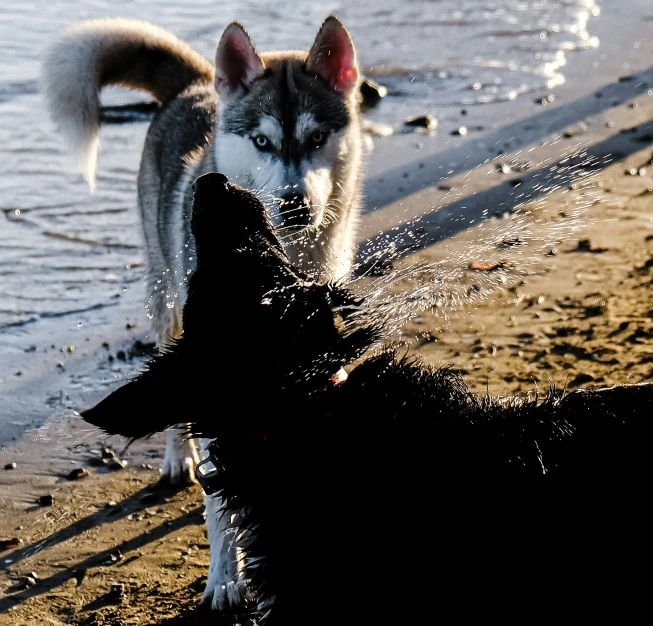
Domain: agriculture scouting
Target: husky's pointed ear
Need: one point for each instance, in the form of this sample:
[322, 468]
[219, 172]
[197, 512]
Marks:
[137, 409]
[333, 56]
[237, 63]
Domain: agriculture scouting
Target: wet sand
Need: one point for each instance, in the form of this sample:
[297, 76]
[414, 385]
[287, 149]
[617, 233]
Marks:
[110, 549]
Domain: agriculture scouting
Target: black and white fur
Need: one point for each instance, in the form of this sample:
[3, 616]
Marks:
[284, 124]
[397, 495]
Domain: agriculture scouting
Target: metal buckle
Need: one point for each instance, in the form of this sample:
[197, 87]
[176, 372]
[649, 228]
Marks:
[208, 477]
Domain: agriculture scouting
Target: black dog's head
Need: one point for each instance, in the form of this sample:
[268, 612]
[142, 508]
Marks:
[250, 320]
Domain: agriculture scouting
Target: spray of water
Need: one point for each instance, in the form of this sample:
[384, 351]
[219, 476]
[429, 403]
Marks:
[498, 251]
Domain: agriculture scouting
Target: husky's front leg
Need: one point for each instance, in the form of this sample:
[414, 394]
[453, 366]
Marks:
[180, 458]
[226, 588]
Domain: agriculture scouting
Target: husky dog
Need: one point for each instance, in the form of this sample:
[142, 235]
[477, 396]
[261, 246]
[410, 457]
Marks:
[395, 494]
[283, 124]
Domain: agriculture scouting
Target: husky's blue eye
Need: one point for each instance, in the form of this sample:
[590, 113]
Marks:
[262, 143]
[317, 138]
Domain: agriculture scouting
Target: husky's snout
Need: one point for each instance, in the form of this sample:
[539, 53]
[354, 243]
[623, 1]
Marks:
[295, 211]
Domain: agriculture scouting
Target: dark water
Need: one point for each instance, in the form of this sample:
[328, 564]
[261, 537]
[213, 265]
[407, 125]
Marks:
[63, 250]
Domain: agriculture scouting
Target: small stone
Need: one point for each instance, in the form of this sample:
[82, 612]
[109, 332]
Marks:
[47, 500]
[486, 266]
[587, 246]
[10, 466]
[545, 99]
[422, 121]
[461, 130]
[371, 93]
[78, 473]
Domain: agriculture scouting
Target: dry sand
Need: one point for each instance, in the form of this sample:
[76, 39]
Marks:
[111, 549]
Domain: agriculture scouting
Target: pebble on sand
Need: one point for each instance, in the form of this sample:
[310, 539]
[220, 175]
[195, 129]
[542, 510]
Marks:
[422, 121]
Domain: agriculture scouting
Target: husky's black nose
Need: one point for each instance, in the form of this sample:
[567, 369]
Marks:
[295, 211]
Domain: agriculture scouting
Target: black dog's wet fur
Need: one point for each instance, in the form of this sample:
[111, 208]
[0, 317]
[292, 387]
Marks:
[398, 496]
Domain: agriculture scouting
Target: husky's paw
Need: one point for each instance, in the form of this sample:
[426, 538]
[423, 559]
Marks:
[225, 595]
[180, 460]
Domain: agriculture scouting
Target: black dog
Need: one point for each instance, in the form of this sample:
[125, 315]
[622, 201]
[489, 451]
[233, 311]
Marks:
[395, 496]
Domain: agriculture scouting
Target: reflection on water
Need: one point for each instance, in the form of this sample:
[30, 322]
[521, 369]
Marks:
[64, 250]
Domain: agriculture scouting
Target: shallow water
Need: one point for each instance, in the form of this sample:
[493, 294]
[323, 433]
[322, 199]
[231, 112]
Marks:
[63, 250]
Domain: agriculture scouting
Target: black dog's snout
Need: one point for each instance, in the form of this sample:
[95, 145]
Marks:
[295, 211]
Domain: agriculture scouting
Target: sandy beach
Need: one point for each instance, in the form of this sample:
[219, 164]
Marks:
[110, 548]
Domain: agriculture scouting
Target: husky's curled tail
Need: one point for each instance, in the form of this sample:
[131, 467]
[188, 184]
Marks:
[128, 53]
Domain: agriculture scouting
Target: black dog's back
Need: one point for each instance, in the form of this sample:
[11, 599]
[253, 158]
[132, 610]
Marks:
[408, 498]
[398, 495]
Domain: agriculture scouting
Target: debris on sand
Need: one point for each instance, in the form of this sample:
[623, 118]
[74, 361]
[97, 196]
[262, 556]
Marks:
[5, 544]
[116, 463]
[585, 245]
[545, 99]
[78, 473]
[27, 581]
[486, 266]
[510, 242]
[422, 121]
[10, 466]
[371, 93]
[47, 500]
[108, 458]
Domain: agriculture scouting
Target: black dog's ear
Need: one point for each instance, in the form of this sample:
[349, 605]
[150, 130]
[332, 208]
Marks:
[143, 406]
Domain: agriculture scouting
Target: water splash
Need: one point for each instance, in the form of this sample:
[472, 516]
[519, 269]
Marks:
[495, 252]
